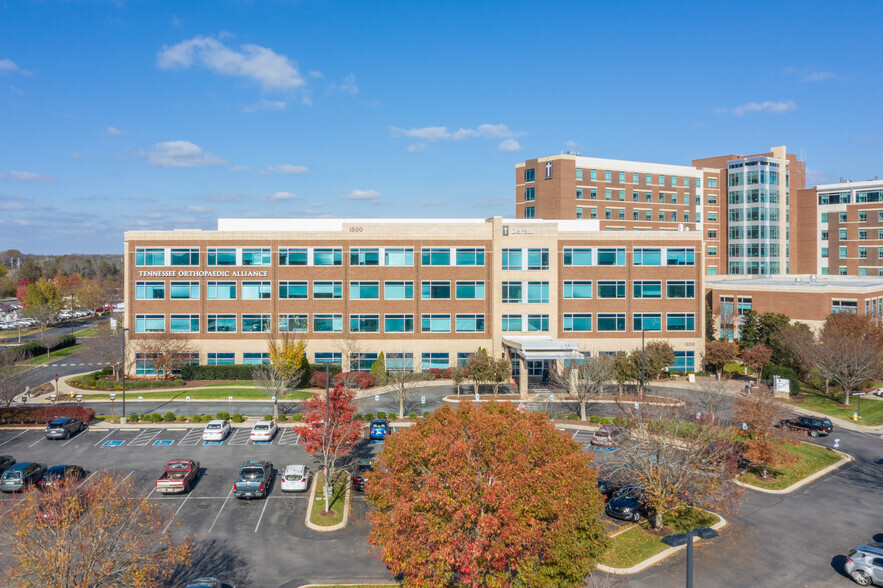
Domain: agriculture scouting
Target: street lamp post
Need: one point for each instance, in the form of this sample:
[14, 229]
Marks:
[679, 539]
[124, 371]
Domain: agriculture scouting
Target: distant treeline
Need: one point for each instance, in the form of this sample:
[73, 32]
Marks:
[15, 265]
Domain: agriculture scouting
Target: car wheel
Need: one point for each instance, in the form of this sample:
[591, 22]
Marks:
[861, 578]
[636, 517]
[67, 434]
[813, 434]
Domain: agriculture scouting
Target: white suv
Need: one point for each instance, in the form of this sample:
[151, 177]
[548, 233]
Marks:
[216, 430]
[263, 431]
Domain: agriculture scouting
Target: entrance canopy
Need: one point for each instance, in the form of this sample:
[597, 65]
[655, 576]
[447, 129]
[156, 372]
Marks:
[538, 348]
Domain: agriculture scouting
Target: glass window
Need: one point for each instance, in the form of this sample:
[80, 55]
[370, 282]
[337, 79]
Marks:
[364, 290]
[537, 259]
[469, 323]
[220, 358]
[328, 289]
[863, 216]
[579, 193]
[400, 362]
[402, 256]
[611, 321]
[293, 323]
[327, 323]
[150, 323]
[431, 361]
[329, 357]
[842, 252]
[511, 323]
[529, 194]
[843, 234]
[327, 256]
[435, 323]
[150, 256]
[364, 256]
[611, 289]
[635, 177]
[593, 175]
[529, 175]
[608, 175]
[435, 256]
[680, 321]
[577, 322]
[289, 290]
[435, 290]
[255, 323]
[538, 322]
[256, 256]
[362, 362]
[184, 323]
[579, 173]
[470, 256]
[144, 364]
[220, 323]
[398, 323]
[577, 289]
[513, 292]
[647, 321]
[398, 290]
[685, 256]
[512, 259]
[680, 289]
[150, 290]
[255, 358]
[621, 177]
[221, 290]
[293, 256]
[537, 292]
[611, 256]
[256, 290]
[577, 256]
[184, 290]
[185, 256]
[530, 212]
[647, 289]
[470, 290]
[364, 323]
[463, 358]
[221, 256]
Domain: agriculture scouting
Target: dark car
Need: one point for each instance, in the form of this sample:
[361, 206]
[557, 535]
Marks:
[21, 476]
[814, 426]
[204, 583]
[60, 475]
[629, 504]
[378, 429]
[608, 488]
[64, 427]
[5, 462]
[254, 479]
[360, 477]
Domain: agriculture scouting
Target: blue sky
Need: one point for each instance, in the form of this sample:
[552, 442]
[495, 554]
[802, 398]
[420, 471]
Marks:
[123, 115]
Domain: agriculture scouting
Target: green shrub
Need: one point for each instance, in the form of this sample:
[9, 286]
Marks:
[223, 415]
[134, 417]
[282, 417]
[572, 416]
[237, 418]
[426, 414]
[357, 416]
[179, 382]
[381, 414]
[333, 368]
[782, 371]
[217, 372]
[169, 417]
[155, 417]
[412, 415]
[594, 419]
[268, 417]
[369, 416]
[297, 417]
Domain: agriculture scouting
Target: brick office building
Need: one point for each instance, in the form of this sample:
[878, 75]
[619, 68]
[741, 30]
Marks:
[427, 293]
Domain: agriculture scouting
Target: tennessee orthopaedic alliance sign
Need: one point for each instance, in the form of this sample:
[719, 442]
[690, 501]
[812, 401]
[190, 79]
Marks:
[203, 274]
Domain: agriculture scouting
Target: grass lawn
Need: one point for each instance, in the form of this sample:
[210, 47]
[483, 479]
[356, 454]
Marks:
[219, 394]
[87, 332]
[639, 543]
[338, 501]
[810, 459]
[872, 409]
[53, 355]
[234, 383]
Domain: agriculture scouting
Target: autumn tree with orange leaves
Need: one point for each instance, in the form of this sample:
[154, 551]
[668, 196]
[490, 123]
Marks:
[98, 534]
[485, 495]
[763, 443]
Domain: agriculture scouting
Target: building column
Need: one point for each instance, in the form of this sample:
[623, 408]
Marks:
[522, 376]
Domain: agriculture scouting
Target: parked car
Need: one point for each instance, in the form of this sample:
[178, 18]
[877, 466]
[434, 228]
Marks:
[378, 429]
[295, 478]
[864, 564]
[204, 583]
[609, 436]
[5, 462]
[67, 504]
[216, 430]
[263, 431]
[360, 476]
[608, 488]
[814, 426]
[63, 428]
[59, 475]
[21, 476]
[178, 476]
[254, 479]
[629, 504]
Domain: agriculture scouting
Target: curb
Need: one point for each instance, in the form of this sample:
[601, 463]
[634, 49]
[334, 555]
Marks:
[346, 506]
[659, 556]
[800, 483]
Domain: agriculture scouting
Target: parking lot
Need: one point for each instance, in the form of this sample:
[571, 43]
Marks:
[238, 541]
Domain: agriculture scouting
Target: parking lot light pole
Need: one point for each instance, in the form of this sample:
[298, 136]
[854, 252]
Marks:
[124, 371]
[679, 539]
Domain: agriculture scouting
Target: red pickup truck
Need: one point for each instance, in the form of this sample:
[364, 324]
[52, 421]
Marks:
[179, 475]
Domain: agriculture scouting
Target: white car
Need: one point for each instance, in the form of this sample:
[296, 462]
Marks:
[296, 478]
[263, 431]
[216, 430]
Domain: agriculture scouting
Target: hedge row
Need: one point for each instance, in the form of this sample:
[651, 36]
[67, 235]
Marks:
[98, 381]
[217, 372]
[35, 348]
[39, 415]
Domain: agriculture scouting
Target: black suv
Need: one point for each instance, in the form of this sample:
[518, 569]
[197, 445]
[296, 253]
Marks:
[63, 428]
[814, 426]
[360, 477]
[629, 504]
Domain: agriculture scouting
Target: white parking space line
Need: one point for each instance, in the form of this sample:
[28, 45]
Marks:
[183, 502]
[23, 432]
[239, 437]
[289, 438]
[103, 438]
[37, 441]
[220, 511]
[262, 514]
[145, 437]
[193, 437]
[86, 480]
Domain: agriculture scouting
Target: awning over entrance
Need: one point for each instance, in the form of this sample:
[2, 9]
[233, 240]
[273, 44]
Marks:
[537, 348]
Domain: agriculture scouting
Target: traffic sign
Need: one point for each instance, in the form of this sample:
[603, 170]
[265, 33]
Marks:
[187, 399]
[113, 443]
[423, 400]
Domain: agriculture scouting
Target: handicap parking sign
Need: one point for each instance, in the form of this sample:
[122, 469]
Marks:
[163, 442]
[114, 443]
[262, 442]
[211, 442]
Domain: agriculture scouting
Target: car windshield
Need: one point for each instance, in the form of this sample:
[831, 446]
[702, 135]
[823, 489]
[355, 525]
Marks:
[261, 427]
[291, 477]
[251, 473]
[12, 475]
[826, 422]
[55, 425]
[213, 427]
[178, 466]
[602, 433]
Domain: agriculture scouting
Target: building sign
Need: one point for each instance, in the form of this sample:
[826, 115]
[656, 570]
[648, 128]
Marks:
[507, 230]
[203, 274]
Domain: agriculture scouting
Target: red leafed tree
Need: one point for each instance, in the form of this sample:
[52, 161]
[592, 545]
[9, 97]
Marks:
[485, 495]
[338, 438]
[763, 443]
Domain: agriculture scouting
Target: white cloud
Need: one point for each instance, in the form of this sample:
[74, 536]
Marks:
[362, 196]
[181, 154]
[815, 177]
[818, 76]
[424, 133]
[432, 202]
[493, 200]
[284, 196]
[347, 85]
[221, 197]
[197, 209]
[315, 74]
[77, 156]
[509, 145]
[115, 131]
[752, 107]
[27, 177]
[416, 147]
[175, 22]
[271, 70]
[10, 203]
[7, 66]
[268, 105]
[285, 168]
[240, 168]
